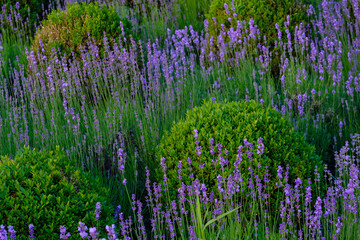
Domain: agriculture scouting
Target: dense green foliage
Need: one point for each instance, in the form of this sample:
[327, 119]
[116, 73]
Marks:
[46, 189]
[265, 13]
[67, 30]
[229, 124]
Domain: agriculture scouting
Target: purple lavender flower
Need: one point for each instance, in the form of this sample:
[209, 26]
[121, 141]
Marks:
[3, 232]
[179, 169]
[163, 165]
[82, 230]
[226, 8]
[63, 234]
[260, 146]
[279, 172]
[93, 233]
[246, 143]
[310, 11]
[308, 196]
[279, 32]
[121, 162]
[198, 152]
[192, 233]
[11, 233]
[206, 25]
[98, 210]
[196, 135]
[214, 19]
[111, 232]
[338, 225]
[300, 234]
[31, 232]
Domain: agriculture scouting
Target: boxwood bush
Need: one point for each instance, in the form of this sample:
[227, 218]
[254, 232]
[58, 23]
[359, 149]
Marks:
[47, 190]
[265, 13]
[67, 30]
[229, 124]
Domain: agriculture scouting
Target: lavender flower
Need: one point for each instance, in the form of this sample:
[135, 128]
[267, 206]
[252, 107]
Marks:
[3, 232]
[279, 172]
[163, 165]
[98, 210]
[111, 232]
[63, 234]
[121, 162]
[260, 146]
[31, 232]
[338, 225]
[11, 233]
[82, 230]
[179, 169]
[93, 233]
[196, 135]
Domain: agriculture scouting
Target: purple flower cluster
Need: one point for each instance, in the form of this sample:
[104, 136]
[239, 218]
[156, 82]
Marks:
[63, 233]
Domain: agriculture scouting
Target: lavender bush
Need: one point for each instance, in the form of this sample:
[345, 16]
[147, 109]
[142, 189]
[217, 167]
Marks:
[150, 84]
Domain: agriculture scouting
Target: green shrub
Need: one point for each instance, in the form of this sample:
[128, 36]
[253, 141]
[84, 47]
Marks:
[67, 30]
[229, 124]
[265, 13]
[46, 189]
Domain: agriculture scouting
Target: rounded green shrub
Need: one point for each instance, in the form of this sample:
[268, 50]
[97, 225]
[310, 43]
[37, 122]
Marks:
[47, 190]
[265, 13]
[67, 30]
[229, 124]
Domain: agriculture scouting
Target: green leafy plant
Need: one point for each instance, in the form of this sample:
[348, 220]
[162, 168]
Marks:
[229, 124]
[69, 33]
[67, 30]
[47, 190]
[265, 13]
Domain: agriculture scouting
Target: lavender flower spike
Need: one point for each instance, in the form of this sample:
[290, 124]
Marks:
[82, 230]
[3, 233]
[63, 234]
[93, 233]
[31, 232]
[12, 233]
[98, 210]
